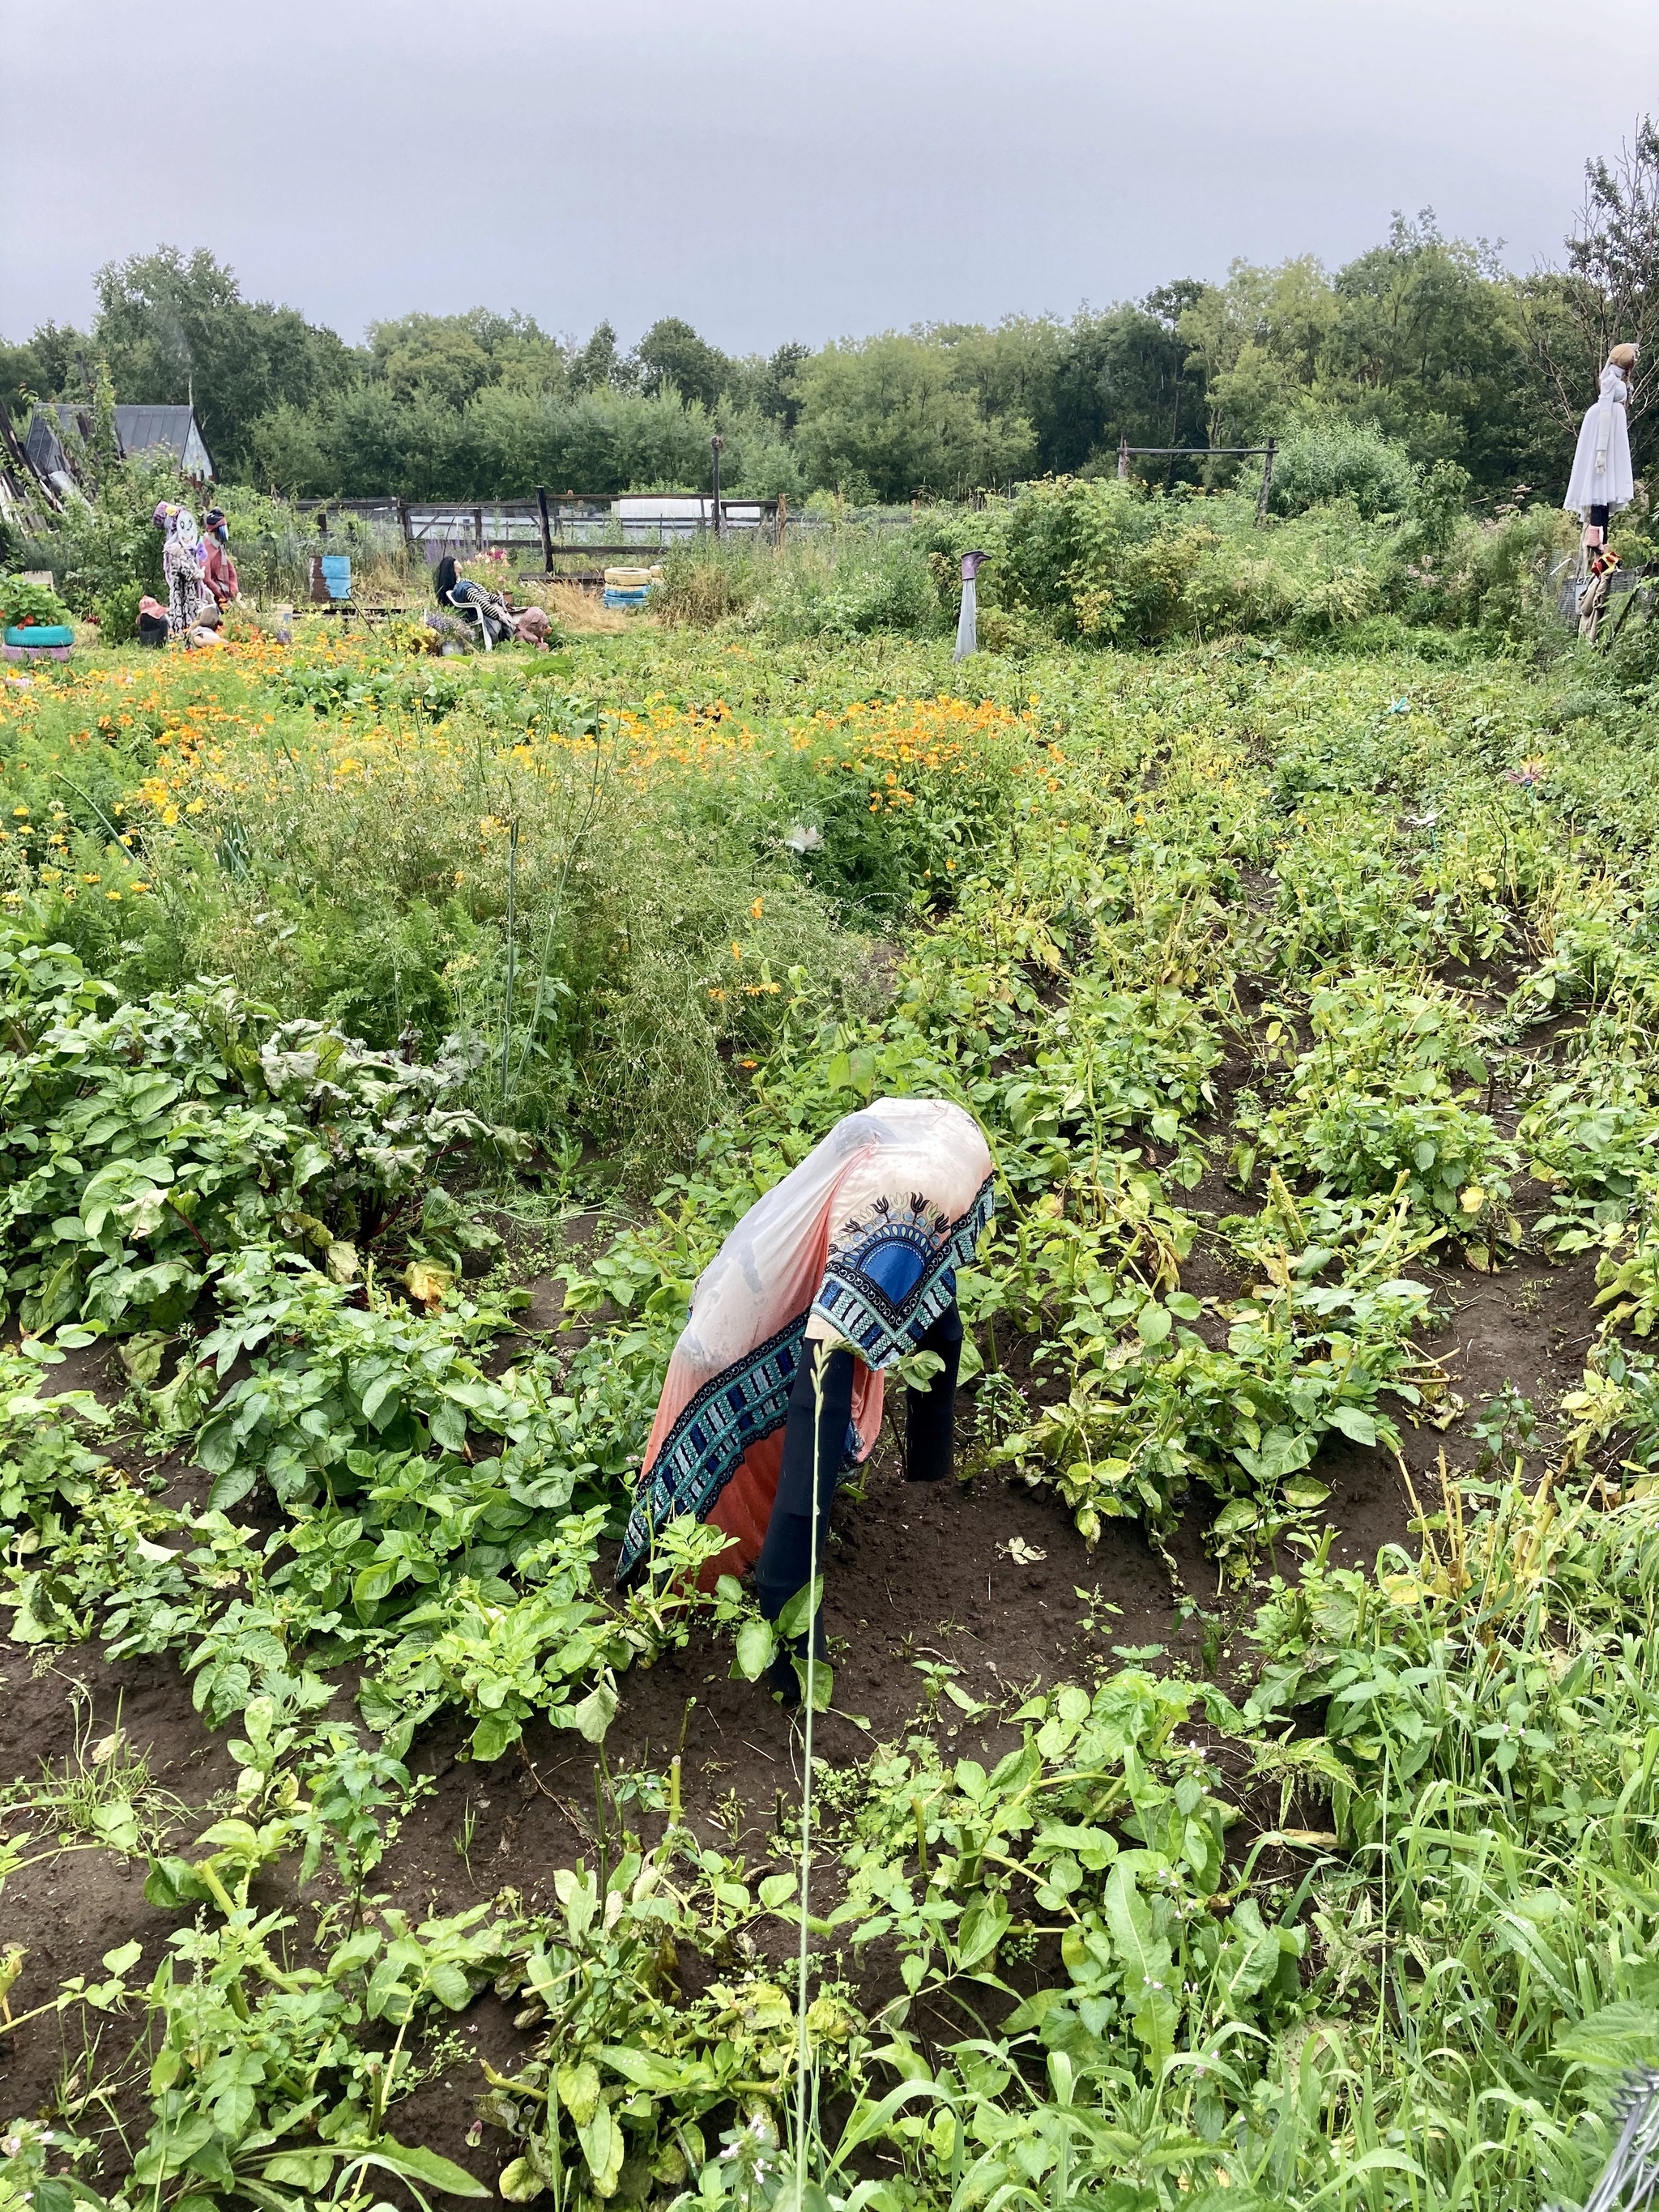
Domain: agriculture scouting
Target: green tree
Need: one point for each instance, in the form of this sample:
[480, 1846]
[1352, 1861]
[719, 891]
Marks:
[291, 451]
[600, 363]
[45, 367]
[449, 357]
[1427, 340]
[1606, 295]
[1120, 373]
[1255, 341]
[887, 413]
[673, 357]
[172, 329]
[762, 385]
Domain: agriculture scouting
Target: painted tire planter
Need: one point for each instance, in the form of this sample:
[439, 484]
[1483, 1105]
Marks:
[39, 641]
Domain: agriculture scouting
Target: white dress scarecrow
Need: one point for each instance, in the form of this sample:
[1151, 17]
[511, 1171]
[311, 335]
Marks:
[1601, 478]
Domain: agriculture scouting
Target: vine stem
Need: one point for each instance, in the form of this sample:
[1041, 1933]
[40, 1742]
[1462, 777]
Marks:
[512, 949]
[819, 1356]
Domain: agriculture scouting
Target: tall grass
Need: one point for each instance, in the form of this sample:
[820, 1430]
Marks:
[1102, 563]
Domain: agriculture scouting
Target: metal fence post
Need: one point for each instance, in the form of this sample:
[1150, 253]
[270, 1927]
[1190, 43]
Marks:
[547, 531]
[1123, 459]
[716, 447]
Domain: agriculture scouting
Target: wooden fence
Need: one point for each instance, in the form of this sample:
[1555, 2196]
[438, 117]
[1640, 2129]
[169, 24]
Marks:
[1206, 454]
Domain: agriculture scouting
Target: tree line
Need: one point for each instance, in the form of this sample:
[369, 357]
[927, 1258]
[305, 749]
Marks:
[1426, 339]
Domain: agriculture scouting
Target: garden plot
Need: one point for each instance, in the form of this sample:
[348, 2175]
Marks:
[1307, 1006]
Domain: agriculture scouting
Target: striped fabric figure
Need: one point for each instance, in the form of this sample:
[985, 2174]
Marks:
[856, 1248]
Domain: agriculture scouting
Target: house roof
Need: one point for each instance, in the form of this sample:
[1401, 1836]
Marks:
[43, 447]
[141, 429]
[138, 429]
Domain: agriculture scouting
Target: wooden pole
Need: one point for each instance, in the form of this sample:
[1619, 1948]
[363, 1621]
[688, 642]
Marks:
[1265, 493]
[477, 527]
[716, 447]
[783, 516]
[1175, 426]
[547, 528]
[404, 524]
[1123, 459]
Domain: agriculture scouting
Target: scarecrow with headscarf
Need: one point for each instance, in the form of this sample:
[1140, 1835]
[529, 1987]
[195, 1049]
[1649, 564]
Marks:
[775, 1389]
[1601, 478]
[181, 564]
[218, 568]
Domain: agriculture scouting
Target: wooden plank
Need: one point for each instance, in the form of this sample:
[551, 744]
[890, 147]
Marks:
[608, 552]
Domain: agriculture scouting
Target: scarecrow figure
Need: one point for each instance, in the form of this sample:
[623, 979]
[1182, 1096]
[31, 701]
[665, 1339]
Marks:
[968, 624]
[1597, 590]
[775, 1385]
[181, 564]
[1601, 478]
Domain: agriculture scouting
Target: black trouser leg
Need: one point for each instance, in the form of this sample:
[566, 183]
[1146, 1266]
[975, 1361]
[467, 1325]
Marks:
[930, 1414]
[785, 1563]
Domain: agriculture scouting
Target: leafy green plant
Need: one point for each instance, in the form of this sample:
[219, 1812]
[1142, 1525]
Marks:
[1312, 1349]
[146, 1145]
[24, 604]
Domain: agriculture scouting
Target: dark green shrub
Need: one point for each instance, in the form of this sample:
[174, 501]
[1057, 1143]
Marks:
[1105, 564]
[117, 614]
[1326, 458]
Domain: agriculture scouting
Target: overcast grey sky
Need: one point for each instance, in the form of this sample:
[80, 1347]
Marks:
[773, 170]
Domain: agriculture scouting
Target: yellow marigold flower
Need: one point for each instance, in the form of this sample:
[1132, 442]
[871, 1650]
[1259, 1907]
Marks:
[716, 992]
[169, 817]
[114, 895]
[736, 949]
[137, 887]
[92, 879]
[758, 908]
[21, 812]
[195, 806]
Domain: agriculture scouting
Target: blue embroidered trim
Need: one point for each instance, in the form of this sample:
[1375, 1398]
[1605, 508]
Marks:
[744, 1403]
[750, 1399]
[890, 1284]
